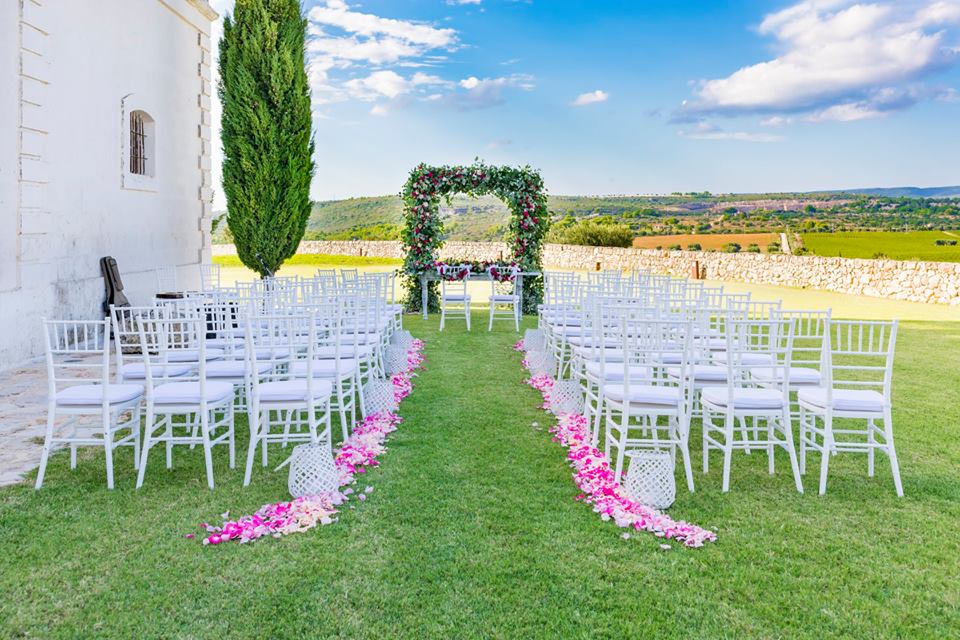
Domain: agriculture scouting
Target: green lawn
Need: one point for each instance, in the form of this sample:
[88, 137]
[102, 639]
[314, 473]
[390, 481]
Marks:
[907, 245]
[473, 532]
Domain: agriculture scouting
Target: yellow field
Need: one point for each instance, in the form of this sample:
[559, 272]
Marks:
[707, 241]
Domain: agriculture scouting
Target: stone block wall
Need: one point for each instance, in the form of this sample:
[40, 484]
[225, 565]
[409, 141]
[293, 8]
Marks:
[933, 282]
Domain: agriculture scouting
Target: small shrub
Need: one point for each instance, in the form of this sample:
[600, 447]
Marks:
[592, 234]
[773, 247]
[731, 247]
[674, 247]
[753, 248]
[945, 243]
[694, 246]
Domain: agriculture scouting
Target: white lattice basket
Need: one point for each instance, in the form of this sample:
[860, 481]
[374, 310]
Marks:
[394, 360]
[650, 478]
[378, 396]
[312, 470]
[566, 396]
[540, 363]
[402, 338]
[534, 340]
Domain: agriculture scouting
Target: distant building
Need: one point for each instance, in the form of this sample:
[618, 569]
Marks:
[104, 150]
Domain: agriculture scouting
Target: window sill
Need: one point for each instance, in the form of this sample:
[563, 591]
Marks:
[134, 182]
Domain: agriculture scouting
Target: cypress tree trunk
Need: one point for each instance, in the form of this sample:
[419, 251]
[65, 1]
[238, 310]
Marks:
[266, 130]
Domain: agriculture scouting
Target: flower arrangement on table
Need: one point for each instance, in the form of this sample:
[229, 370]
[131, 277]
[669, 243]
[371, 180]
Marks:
[499, 271]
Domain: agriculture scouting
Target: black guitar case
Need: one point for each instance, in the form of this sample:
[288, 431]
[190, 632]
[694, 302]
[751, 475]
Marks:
[112, 284]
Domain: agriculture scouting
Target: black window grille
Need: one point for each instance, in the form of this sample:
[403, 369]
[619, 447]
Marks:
[138, 144]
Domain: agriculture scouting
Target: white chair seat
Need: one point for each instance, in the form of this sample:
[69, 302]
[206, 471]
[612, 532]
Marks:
[452, 297]
[137, 371]
[749, 359]
[234, 368]
[225, 343]
[504, 298]
[294, 390]
[92, 394]
[324, 368]
[347, 351]
[265, 353]
[189, 392]
[613, 371]
[703, 373]
[609, 354]
[192, 355]
[743, 399]
[865, 400]
[797, 375]
[644, 394]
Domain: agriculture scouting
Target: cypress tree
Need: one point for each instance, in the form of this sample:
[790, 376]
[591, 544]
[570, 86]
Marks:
[266, 130]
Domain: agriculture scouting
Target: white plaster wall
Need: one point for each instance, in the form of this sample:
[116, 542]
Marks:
[77, 62]
[9, 161]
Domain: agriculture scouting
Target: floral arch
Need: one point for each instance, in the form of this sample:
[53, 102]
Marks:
[520, 188]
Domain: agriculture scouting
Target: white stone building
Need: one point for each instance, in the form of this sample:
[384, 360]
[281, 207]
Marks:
[104, 150]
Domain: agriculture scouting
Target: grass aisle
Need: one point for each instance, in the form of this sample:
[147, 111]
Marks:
[472, 531]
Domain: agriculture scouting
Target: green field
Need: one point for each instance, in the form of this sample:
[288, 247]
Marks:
[907, 245]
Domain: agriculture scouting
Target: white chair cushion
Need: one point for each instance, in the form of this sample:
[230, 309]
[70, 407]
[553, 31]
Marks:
[92, 394]
[609, 354]
[324, 368]
[346, 351]
[192, 355]
[504, 298]
[865, 400]
[189, 392]
[138, 371]
[744, 398]
[452, 297]
[613, 371]
[293, 390]
[233, 368]
[797, 375]
[748, 358]
[265, 353]
[644, 394]
[703, 373]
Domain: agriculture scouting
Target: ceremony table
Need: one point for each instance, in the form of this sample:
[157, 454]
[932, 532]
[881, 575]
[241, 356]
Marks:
[433, 276]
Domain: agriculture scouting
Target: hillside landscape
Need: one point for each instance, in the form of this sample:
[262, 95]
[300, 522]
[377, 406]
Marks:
[862, 223]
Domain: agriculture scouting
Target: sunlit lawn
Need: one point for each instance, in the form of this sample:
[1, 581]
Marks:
[473, 532]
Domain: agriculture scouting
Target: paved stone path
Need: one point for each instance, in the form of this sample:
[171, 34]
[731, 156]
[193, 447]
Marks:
[23, 417]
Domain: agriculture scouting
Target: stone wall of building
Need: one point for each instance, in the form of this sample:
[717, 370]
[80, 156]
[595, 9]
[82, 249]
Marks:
[934, 282]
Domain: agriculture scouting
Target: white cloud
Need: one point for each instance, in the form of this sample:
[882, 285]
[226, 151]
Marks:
[836, 53]
[379, 110]
[456, 2]
[775, 121]
[592, 97]
[481, 93]
[706, 131]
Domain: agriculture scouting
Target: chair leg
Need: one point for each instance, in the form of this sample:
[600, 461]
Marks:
[341, 408]
[207, 453]
[47, 443]
[892, 451]
[791, 449]
[490, 324]
[803, 441]
[135, 428]
[443, 315]
[108, 448]
[466, 311]
[147, 443]
[727, 449]
[232, 440]
[871, 444]
[825, 452]
[685, 452]
[254, 440]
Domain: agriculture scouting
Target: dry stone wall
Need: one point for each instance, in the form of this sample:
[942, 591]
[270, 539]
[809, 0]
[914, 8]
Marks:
[934, 282]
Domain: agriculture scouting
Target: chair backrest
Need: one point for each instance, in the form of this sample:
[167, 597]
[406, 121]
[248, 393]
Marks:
[755, 343]
[503, 279]
[209, 277]
[453, 279]
[169, 334]
[126, 334]
[293, 333]
[77, 352]
[810, 330]
[167, 279]
[861, 355]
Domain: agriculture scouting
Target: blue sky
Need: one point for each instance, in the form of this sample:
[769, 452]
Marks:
[625, 97]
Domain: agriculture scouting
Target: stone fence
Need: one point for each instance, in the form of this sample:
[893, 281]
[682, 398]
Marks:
[935, 282]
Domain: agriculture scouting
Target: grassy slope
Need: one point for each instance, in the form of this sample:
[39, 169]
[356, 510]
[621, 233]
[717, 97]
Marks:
[908, 245]
[473, 532]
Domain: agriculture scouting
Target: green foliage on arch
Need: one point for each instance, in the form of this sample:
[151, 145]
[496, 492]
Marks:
[520, 188]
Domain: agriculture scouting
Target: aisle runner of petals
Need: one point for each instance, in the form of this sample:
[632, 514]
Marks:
[358, 453]
[594, 477]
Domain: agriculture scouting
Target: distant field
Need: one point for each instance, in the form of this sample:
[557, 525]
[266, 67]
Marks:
[907, 245]
[707, 241]
[318, 260]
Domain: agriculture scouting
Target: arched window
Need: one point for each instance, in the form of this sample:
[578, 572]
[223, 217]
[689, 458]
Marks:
[141, 144]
